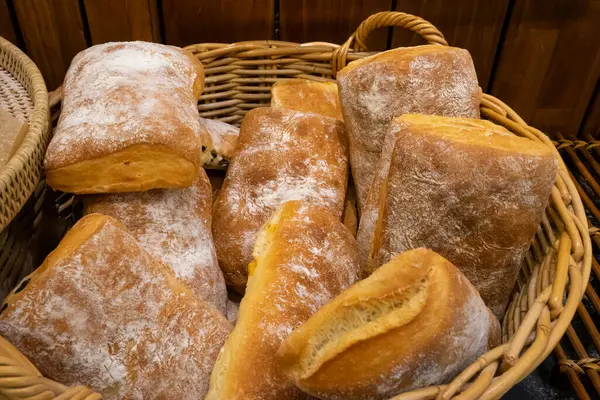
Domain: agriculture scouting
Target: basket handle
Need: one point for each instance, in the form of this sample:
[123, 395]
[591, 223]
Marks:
[384, 19]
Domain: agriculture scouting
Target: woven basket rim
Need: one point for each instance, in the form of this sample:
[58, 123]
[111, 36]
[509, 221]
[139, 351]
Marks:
[536, 319]
[17, 171]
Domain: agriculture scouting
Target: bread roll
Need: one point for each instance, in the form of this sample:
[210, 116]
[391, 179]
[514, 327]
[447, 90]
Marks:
[224, 138]
[307, 96]
[427, 79]
[101, 312]
[129, 120]
[174, 226]
[417, 321]
[282, 155]
[303, 257]
[466, 188]
[12, 133]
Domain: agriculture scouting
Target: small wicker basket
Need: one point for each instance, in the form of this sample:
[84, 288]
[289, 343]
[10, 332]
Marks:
[557, 267]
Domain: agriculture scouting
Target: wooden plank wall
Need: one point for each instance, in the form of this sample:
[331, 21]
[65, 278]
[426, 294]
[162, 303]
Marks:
[542, 57]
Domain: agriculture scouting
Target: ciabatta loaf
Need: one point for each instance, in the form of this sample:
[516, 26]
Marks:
[303, 257]
[307, 96]
[129, 120]
[102, 312]
[282, 155]
[466, 188]
[174, 226]
[417, 321]
[429, 79]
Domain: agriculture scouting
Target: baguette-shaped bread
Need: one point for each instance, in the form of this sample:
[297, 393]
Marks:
[282, 155]
[426, 79]
[224, 138]
[303, 257]
[174, 226]
[466, 188]
[129, 120]
[417, 321]
[102, 312]
[307, 96]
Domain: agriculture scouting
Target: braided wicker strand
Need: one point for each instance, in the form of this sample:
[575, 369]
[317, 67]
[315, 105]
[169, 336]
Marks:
[581, 365]
[380, 20]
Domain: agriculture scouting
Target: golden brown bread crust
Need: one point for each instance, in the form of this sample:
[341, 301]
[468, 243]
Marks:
[415, 322]
[101, 312]
[427, 79]
[304, 256]
[466, 188]
[282, 155]
[174, 226]
[307, 96]
[118, 96]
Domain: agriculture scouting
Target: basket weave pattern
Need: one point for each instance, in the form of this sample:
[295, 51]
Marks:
[557, 267]
[24, 94]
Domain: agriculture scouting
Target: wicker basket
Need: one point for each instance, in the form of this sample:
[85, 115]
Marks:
[557, 267]
[23, 93]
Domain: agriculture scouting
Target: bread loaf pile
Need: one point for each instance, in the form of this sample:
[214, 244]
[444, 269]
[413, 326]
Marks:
[179, 283]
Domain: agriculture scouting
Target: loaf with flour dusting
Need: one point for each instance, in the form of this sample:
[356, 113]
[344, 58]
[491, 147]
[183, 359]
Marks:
[466, 188]
[417, 321]
[307, 96]
[102, 312]
[303, 257]
[428, 79]
[282, 155]
[174, 226]
[129, 120]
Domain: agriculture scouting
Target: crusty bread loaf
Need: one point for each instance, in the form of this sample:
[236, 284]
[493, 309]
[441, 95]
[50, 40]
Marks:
[303, 257]
[307, 96]
[417, 321]
[224, 138]
[129, 120]
[427, 79]
[282, 155]
[174, 226]
[466, 188]
[102, 312]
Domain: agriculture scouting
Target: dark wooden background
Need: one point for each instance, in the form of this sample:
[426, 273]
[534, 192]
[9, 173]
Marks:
[542, 57]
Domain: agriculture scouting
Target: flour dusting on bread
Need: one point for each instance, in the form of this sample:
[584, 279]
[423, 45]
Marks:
[429, 79]
[304, 256]
[120, 94]
[175, 227]
[282, 155]
[108, 316]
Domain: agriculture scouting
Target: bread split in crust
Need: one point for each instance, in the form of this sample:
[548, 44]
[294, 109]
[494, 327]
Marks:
[417, 321]
[303, 257]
